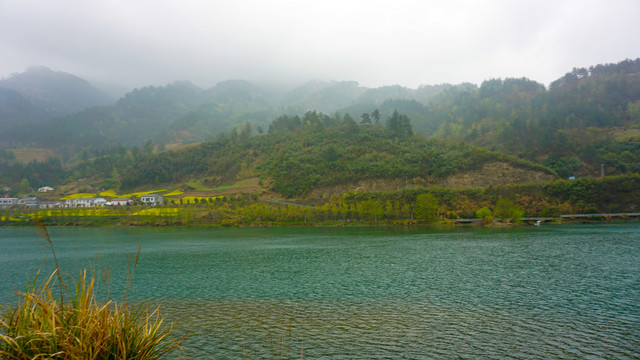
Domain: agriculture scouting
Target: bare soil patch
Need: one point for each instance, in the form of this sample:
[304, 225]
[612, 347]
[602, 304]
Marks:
[491, 174]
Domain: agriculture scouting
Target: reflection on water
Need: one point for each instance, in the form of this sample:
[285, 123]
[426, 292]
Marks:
[530, 293]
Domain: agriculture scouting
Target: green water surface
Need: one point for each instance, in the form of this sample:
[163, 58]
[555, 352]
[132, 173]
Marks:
[561, 292]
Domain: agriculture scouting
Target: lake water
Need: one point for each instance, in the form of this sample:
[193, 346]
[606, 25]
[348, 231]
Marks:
[552, 292]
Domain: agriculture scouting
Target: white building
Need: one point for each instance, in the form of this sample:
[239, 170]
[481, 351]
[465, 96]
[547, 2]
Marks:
[119, 202]
[72, 203]
[45, 189]
[29, 201]
[99, 201]
[152, 199]
[6, 203]
[51, 204]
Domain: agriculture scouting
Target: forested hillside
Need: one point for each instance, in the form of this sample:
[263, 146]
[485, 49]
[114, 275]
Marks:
[39, 94]
[316, 150]
[135, 119]
[586, 122]
[228, 105]
[587, 118]
[182, 113]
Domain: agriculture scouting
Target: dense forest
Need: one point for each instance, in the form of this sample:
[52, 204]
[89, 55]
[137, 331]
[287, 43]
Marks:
[300, 153]
[294, 156]
[586, 118]
[586, 122]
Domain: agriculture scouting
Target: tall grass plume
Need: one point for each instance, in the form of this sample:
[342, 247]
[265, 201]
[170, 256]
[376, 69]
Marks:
[46, 325]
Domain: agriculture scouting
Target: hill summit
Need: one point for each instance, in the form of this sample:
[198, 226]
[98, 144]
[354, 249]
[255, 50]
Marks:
[40, 94]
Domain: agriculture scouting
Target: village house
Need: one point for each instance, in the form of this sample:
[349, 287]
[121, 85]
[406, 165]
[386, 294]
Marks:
[28, 201]
[45, 189]
[69, 203]
[99, 201]
[86, 202]
[119, 202]
[73, 203]
[8, 202]
[45, 204]
[152, 199]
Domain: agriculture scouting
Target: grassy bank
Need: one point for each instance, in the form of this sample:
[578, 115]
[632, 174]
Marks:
[615, 194]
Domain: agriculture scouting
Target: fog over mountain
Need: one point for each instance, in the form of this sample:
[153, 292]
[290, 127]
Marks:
[376, 43]
[40, 93]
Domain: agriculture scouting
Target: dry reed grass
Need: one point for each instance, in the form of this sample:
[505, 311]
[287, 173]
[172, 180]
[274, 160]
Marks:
[42, 325]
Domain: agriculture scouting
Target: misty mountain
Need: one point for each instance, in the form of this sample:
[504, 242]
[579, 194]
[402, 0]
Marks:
[136, 118]
[321, 96]
[241, 93]
[184, 113]
[16, 108]
[40, 93]
[586, 118]
[379, 95]
[232, 104]
[226, 106]
[586, 121]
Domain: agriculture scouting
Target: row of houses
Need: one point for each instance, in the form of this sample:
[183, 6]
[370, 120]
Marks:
[35, 202]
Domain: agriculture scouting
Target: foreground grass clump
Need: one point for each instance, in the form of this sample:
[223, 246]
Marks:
[43, 325]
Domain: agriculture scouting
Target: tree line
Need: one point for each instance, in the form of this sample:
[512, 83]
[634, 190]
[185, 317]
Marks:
[507, 203]
[300, 153]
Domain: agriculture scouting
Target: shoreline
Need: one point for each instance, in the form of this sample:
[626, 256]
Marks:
[586, 219]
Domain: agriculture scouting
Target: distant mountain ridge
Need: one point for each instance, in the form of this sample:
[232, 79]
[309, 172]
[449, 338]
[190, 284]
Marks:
[585, 124]
[39, 94]
[136, 118]
[586, 118]
[185, 113]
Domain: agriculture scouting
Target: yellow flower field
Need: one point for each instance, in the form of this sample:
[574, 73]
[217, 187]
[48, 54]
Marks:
[79, 196]
[159, 212]
[109, 193]
[138, 194]
[113, 194]
[174, 193]
[78, 212]
[9, 218]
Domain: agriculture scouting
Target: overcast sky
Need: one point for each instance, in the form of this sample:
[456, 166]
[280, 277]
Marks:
[405, 42]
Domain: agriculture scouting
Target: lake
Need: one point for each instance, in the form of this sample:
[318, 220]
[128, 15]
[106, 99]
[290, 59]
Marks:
[553, 292]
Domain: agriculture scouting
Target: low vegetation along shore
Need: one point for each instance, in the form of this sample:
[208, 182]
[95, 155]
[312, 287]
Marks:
[338, 154]
[408, 206]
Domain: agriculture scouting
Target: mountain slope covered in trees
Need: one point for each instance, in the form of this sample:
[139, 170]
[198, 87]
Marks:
[300, 154]
[135, 119]
[587, 118]
[585, 122]
[40, 93]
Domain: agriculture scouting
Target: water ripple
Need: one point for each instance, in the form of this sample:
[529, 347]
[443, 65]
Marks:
[543, 293]
[399, 329]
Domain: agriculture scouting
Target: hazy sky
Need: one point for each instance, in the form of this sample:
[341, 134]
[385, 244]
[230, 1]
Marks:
[405, 42]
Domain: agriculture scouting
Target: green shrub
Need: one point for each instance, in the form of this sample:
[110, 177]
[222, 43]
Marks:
[506, 209]
[485, 214]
